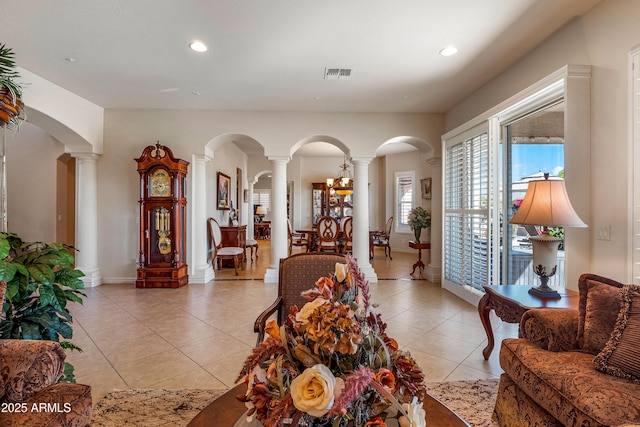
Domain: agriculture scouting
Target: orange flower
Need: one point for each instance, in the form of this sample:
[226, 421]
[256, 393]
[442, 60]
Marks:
[375, 422]
[392, 345]
[272, 329]
[325, 284]
[386, 378]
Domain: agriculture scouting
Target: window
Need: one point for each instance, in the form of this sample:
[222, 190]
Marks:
[466, 222]
[404, 199]
[262, 198]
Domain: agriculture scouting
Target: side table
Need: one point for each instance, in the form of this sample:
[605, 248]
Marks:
[511, 301]
[419, 246]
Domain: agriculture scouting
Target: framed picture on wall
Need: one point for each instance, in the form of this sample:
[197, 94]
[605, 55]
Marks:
[246, 196]
[224, 190]
[425, 185]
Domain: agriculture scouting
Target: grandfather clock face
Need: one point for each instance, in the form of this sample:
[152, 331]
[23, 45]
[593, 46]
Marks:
[160, 184]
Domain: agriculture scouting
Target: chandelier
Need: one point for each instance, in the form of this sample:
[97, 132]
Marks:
[343, 184]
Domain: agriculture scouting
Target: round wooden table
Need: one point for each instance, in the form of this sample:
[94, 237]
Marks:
[419, 246]
[226, 410]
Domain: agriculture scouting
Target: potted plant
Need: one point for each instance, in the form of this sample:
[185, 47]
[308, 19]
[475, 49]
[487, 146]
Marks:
[40, 282]
[11, 105]
[419, 218]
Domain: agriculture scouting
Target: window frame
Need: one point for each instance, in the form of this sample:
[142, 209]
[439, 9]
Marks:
[399, 226]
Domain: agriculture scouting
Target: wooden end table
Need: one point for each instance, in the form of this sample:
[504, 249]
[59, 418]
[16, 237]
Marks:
[511, 301]
[226, 410]
[419, 246]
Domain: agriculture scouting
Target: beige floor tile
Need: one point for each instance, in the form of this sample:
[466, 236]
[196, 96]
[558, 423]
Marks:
[198, 336]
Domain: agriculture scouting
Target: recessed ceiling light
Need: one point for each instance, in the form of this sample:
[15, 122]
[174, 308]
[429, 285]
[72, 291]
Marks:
[198, 46]
[70, 59]
[449, 51]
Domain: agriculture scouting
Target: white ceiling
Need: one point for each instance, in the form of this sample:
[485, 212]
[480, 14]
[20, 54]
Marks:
[271, 54]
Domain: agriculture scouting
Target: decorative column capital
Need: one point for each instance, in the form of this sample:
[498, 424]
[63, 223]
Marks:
[279, 159]
[362, 159]
[434, 161]
[86, 156]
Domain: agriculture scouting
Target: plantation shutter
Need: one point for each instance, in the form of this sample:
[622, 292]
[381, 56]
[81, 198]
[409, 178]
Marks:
[466, 228]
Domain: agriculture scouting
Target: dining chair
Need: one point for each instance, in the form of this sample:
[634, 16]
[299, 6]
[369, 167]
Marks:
[327, 234]
[297, 239]
[236, 254]
[252, 245]
[347, 234]
[297, 273]
[382, 239]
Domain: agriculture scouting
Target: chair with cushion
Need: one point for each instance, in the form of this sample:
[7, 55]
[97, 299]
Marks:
[252, 245]
[327, 234]
[347, 233]
[297, 273]
[575, 367]
[382, 239]
[297, 239]
[236, 254]
[29, 373]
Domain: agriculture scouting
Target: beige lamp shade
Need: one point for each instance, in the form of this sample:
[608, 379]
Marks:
[546, 203]
[261, 210]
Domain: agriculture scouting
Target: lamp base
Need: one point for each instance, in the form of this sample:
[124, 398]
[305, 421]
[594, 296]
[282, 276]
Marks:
[544, 292]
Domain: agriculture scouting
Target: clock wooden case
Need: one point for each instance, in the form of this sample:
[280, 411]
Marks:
[163, 209]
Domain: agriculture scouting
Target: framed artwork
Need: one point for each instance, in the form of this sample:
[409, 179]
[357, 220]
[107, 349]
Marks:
[425, 185]
[246, 196]
[224, 189]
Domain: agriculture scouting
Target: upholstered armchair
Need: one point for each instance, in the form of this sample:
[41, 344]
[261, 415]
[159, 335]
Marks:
[297, 273]
[29, 392]
[575, 367]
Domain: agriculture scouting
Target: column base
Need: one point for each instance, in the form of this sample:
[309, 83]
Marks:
[433, 273]
[92, 277]
[271, 275]
[369, 273]
[201, 274]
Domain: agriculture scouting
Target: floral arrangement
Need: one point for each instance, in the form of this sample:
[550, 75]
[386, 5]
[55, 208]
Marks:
[419, 218]
[332, 364]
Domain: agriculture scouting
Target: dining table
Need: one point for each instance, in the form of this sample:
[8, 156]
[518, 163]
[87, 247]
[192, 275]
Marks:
[310, 233]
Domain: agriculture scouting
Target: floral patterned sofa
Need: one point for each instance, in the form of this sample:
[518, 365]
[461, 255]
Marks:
[550, 376]
[29, 393]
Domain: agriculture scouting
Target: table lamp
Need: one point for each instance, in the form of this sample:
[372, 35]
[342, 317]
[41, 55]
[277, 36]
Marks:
[546, 204]
[262, 211]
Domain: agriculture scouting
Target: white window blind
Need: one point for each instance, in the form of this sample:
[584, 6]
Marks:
[404, 195]
[466, 231]
[635, 114]
[262, 198]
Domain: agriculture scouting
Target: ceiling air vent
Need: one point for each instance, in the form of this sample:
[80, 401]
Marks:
[337, 73]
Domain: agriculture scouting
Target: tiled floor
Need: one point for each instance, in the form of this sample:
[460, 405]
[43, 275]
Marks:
[198, 336]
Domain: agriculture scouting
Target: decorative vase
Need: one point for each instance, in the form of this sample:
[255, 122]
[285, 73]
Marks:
[417, 232]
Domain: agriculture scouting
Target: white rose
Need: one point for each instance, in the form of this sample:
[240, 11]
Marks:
[303, 315]
[417, 415]
[341, 271]
[314, 390]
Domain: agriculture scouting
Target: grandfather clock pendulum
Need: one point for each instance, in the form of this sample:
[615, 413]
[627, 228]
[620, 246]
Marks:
[163, 204]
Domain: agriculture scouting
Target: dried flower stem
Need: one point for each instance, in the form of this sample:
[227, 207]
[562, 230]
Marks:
[261, 352]
[358, 277]
[354, 385]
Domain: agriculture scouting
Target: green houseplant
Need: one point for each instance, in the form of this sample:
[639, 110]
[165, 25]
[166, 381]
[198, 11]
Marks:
[40, 281]
[11, 105]
[419, 218]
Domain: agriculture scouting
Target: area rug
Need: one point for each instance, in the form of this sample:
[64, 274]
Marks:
[472, 400]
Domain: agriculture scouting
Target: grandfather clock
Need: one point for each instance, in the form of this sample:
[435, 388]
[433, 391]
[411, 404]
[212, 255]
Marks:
[163, 209]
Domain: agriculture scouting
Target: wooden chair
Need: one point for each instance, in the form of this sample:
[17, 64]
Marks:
[382, 239]
[297, 273]
[347, 233]
[297, 239]
[252, 245]
[221, 253]
[327, 234]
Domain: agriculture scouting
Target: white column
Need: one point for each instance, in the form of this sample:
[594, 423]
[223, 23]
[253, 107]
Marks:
[361, 216]
[433, 271]
[279, 231]
[250, 228]
[200, 271]
[87, 218]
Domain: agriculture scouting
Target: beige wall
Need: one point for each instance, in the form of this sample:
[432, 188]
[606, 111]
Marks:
[31, 183]
[603, 39]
